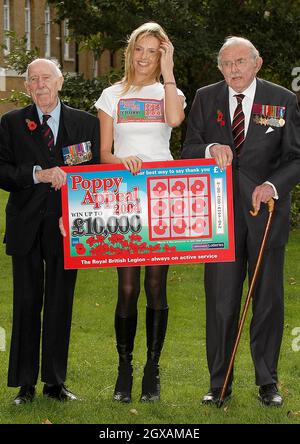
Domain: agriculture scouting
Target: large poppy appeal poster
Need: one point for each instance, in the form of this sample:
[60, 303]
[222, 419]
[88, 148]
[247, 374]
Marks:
[171, 212]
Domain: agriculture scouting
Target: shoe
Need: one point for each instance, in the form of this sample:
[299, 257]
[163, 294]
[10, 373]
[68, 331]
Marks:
[123, 386]
[26, 394]
[123, 397]
[59, 392]
[269, 395]
[212, 397]
[150, 383]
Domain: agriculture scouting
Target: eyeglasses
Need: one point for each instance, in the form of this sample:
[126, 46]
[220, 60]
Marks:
[239, 63]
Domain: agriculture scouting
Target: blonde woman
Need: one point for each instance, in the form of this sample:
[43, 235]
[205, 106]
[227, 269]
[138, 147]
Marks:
[131, 137]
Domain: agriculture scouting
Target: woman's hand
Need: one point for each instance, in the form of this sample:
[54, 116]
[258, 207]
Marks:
[131, 163]
[166, 60]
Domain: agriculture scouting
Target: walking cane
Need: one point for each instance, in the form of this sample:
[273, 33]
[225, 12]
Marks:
[270, 204]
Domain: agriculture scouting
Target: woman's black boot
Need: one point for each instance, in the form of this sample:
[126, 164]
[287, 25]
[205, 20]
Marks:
[125, 333]
[156, 326]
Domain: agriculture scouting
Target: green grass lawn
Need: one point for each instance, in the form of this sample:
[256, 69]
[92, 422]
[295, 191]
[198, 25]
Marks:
[184, 376]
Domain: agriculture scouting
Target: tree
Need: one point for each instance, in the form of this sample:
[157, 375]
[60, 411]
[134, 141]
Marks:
[77, 91]
[197, 29]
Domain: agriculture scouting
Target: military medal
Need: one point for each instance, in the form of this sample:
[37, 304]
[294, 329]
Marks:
[268, 115]
[273, 122]
[281, 114]
[78, 153]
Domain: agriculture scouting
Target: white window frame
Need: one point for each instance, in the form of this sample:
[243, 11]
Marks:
[47, 31]
[28, 24]
[6, 25]
[66, 40]
[95, 68]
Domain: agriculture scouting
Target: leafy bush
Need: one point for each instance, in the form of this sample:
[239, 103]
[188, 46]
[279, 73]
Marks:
[81, 93]
[295, 210]
[77, 91]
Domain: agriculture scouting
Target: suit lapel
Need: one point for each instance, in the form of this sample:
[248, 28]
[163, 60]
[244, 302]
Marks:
[66, 130]
[66, 135]
[255, 130]
[60, 135]
[223, 106]
[39, 145]
[67, 124]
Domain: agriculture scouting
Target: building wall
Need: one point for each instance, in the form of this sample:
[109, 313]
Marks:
[10, 80]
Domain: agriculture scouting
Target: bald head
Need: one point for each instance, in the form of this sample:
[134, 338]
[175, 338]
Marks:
[239, 61]
[43, 81]
[53, 66]
[238, 41]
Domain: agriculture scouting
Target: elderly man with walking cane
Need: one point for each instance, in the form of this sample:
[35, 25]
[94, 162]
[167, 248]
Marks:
[259, 134]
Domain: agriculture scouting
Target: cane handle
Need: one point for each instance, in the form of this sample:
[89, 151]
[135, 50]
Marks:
[270, 204]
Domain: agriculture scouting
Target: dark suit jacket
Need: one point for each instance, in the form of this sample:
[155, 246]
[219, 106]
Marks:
[273, 156]
[20, 150]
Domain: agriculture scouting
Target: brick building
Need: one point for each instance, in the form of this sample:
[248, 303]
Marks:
[35, 19]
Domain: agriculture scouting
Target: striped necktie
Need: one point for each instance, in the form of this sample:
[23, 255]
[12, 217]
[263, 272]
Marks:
[47, 132]
[238, 124]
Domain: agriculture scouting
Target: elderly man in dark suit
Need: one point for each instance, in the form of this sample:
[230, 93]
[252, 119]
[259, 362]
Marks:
[255, 126]
[34, 142]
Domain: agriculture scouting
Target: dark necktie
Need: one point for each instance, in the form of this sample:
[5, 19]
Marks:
[238, 124]
[47, 132]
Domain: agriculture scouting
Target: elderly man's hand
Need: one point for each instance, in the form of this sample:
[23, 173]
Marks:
[56, 176]
[262, 193]
[222, 154]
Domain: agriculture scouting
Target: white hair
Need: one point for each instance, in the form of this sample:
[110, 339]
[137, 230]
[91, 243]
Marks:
[231, 41]
[54, 65]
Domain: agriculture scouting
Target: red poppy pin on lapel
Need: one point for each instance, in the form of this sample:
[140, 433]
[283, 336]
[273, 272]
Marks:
[220, 118]
[31, 125]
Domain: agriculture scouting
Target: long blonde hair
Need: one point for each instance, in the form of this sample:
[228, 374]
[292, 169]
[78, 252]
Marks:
[152, 29]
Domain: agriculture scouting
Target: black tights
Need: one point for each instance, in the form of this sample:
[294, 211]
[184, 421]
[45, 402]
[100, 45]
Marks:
[129, 288]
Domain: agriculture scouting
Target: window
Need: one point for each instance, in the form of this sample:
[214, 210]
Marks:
[66, 40]
[47, 32]
[95, 68]
[6, 25]
[27, 24]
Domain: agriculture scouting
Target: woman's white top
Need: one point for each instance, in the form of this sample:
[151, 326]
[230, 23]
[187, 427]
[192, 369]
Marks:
[138, 121]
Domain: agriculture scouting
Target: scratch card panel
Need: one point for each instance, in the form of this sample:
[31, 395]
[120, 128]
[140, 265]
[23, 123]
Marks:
[171, 212]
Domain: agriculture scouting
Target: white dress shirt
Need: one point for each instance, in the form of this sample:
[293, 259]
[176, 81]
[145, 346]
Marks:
[53, 123]
[247, 104]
